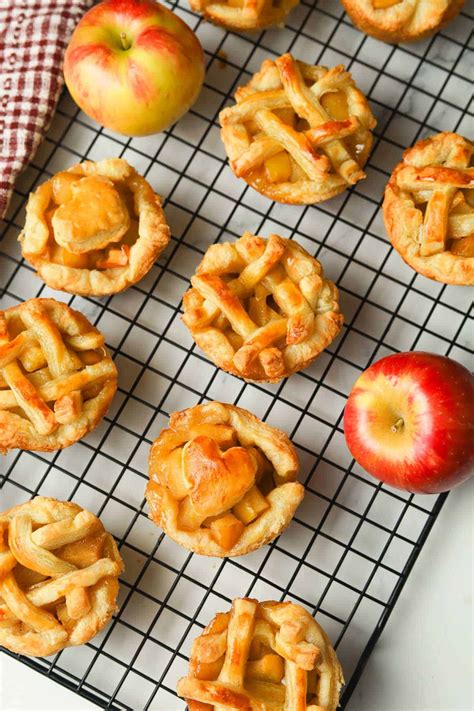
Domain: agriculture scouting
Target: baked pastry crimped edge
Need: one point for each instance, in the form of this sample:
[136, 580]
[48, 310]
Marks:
[153, 235]
[251, 432]
[406, 21]
[308, 303]
[252, 16]
[242, 657]
[59, 573]
[404, 220]
[48, 351]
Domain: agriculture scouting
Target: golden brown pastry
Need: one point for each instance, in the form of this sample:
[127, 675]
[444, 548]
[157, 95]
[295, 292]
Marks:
[261, 309]
[94, 229]
[429, 208]
[57, 379]
[298, 133]
[222, 483]
[59, 573]
[401, 20]
[262, 656]
[244, 15]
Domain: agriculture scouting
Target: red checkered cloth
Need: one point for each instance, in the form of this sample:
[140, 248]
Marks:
[33, 37]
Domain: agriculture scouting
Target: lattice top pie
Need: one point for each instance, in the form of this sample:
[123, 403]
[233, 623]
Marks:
[429, 208]
[94, 229]
[59, 573]
[56, 377]
[298, 133]
[244, 15]
[222, 482]
[261, 309]
[401, 20]
[268, 656]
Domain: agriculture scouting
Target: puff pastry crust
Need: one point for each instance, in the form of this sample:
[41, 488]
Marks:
[261, 309]
[262, 656]
[59, 573]
[57, 379]
[401, 20]
[244, 15]
[94, 229]
[429, 208]
[298, 133]
[222, 483]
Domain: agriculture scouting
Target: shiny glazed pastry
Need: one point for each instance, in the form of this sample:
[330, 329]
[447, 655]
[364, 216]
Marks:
[298, 133]
[429, 208]
[94, 229]
[59, 573]
[401, 20]
[56, 377]
[261, 308]
[262, 656]
[244, 15]
[222, 483]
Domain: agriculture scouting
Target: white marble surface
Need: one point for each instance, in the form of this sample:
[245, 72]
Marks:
[422, 662]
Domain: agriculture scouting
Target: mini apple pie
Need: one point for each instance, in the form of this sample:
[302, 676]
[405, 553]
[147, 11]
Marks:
[261, 309]
[298, 133]
[59, 573]
[244, 15]
[401, 20]
[94, 229]
[262, 656]
[56, 377]
[222, 483]
[429, 208]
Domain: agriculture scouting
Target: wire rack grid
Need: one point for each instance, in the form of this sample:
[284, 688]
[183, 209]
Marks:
[353, 541]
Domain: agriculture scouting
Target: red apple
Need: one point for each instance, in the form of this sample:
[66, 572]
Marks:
[409, 421]
[133, 66]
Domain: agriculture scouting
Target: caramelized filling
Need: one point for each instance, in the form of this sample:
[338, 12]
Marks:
[463, 247]
[278, 168]
[335, 103]
[382, 4]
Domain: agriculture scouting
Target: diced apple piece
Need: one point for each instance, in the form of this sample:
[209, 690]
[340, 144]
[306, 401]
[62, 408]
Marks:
[188, 518]
[463, 247]
[270, 667]
[68, 259]
[226, 530]
[250, 506]
[208, 671]
[278, 168]
[335, 103]
[115, 258]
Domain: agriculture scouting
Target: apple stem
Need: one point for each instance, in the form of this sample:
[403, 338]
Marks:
[124, 40]
[398, 425]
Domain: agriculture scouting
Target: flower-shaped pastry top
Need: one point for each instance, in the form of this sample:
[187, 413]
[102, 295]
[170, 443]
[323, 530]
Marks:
[429, 208]
[261, 309]
[56, 377]
[94, 229]
[222, 482]
[59, 573]
[244, 15]
[298, 133]
[401, 20]
[262, 656]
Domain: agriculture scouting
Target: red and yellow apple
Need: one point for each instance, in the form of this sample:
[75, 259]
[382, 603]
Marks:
[409, 421]
[133, 66]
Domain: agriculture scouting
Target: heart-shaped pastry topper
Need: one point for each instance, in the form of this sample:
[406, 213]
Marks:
[217, 480]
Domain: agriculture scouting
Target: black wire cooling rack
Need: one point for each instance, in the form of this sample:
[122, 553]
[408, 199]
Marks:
[353, 542]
